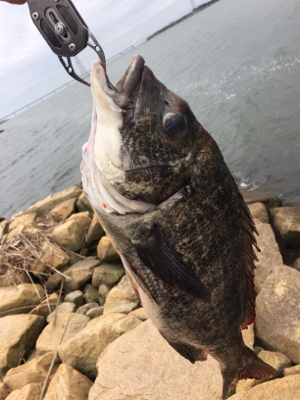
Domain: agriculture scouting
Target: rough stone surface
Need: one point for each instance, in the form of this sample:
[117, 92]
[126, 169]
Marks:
[82, 219]
[64, 210]
[23, 219]
[52, 335]
[259, 211]
[75, 297]
[51, 255]
[125, 284]
[120, 301]
[86, 307]
[19, 299]
[276, 360]
[95, 312]
[18, 334]
[13, 277]
[46, 306]
[287, 388]
[83, 204]
[80, 273]
[63, 308]
[83, 350]
[90, 294]
[296, 264]
[107, 274]
[33, 371]
[254, 196]
[31, 391]
[140, 313]
[69, 235]
[103, 292]
[141, 365]
[68, 384]
[286, 222]
[106, 251]
[3, 391]
[292, 370]
[248, 336]
[278, 312]
[95, 231]
[45, 206]
[269, 257]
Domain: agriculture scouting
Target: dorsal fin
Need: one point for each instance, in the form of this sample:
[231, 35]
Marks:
[249, 240]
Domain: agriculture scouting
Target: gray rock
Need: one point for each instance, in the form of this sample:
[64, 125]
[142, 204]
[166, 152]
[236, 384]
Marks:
[45, 206]
[69, 235]
[63, 308]
[18, 335]
[86, 307]
[75, 297]
[108, 274]
[80, 273]
[278, 312]
[286, 222]
[254, 196]
[259, 211]
[90, 294]
[95, 312]
[120, 301]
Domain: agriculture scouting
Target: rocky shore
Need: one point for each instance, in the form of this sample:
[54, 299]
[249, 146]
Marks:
[71, 327]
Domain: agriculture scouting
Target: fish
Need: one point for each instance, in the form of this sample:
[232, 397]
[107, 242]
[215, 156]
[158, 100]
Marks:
[165, 197]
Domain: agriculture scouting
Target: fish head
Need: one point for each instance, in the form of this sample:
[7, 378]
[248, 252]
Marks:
[144, 141]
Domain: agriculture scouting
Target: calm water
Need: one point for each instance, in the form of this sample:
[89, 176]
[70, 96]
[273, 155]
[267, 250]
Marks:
[237, 63]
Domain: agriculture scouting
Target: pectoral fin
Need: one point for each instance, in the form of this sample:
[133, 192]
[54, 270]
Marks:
[165, 263]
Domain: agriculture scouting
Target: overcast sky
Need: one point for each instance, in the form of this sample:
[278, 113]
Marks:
[29, 69]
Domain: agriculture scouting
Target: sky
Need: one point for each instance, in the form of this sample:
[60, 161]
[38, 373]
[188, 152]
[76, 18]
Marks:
[29, 69]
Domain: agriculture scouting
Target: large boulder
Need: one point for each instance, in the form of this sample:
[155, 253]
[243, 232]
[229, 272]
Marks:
[57, 332]
[69, 235]
[142, 365]
[22, 220]
[18, 335]
[82, 219]
[278, 312]
[19, 299]
[83, 350]
[286, 221]
[63, 210]
[120, 301]
[68, 384]
[45, 206]
[31, 391]
[259, 211]
[269, 257]
[80, 273]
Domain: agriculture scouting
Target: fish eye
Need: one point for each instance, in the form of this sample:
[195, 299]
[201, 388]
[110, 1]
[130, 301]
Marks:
[173, 124]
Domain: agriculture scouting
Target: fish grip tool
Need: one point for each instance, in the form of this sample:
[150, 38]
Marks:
[65, 31]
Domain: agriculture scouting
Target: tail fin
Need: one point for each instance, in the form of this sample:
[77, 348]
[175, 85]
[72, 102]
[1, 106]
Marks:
[250, 366]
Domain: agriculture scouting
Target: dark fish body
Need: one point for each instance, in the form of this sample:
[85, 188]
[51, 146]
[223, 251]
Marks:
[168, 202]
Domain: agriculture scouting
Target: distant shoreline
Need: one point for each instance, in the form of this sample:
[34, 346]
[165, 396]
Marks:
[195, 10]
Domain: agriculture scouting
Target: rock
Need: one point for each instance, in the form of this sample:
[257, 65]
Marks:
[259, 211]
[63, 308]
[52, 335]
[254, 196]
[82, 219]
[287, 388]
[52, 256]
[80, 273]
[63, 210]
[106, 251]
[30, 228]
[139, 313]
[248, 336]
[120, 301]
[292, 370]
[75, 257]
[103, 292]
[86, 307]
[13, 277]
[3, 391]
[18, 334]
[31, 391]
[168, 375]
[90, 294]
[75, 297]
[270, 256]
[46, 306]
[276, 360]
[95, 231]
[95, 312]
[125, 284]
[22, 220]
[19, 299]
[83, 204]
[3, 231]
[296, 264]
[33, 371]
[68, 384]
[108, 274]
[83, 350]
[286, 222]
[45, 206]
[69, 235]
[278, 312]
